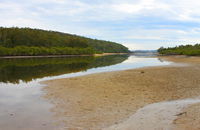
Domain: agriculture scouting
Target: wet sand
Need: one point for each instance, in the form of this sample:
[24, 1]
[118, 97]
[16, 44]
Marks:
[156, 116]
[189, 119]
[109, 99]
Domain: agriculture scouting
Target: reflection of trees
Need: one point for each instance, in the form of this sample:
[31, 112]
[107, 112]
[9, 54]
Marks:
[13, 70]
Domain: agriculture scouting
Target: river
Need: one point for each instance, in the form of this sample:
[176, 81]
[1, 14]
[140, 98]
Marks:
[22, 105]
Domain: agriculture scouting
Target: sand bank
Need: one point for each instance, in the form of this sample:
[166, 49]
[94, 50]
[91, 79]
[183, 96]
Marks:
[157, 116]
[110, 99]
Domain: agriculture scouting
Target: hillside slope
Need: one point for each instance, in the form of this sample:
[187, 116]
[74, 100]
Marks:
[27, 41]
[191, 50]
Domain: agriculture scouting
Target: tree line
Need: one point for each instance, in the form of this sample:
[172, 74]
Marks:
[190, 50]
[37, 51]
[27, 41]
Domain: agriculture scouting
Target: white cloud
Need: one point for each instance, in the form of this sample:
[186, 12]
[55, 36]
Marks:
[115, 10]
[79, 17]
[134, 46]
[140, 7]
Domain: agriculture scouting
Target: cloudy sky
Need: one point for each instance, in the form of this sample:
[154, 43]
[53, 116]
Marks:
[137, 24]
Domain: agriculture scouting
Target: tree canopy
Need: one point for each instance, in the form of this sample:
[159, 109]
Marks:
[191, 50]
[20, 41]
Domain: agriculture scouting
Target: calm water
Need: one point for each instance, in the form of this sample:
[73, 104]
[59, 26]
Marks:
[21, 102]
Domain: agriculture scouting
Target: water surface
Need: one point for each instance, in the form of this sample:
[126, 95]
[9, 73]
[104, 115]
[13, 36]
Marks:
[21, 102]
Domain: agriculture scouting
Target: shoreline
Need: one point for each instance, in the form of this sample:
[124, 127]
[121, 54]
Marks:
[50, 56]
[162, 115]
[102, 100]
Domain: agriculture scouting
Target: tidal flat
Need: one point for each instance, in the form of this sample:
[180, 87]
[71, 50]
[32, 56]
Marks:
[107, 100]
[21, 96]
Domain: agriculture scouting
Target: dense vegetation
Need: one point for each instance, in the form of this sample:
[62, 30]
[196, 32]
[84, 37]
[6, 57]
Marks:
[191, 50]
[34, 51]
[26, 69]
[26, 41]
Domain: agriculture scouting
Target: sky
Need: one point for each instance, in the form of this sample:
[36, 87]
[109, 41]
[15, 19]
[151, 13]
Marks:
[137, 24]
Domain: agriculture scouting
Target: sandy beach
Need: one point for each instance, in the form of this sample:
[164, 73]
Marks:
[115, 100]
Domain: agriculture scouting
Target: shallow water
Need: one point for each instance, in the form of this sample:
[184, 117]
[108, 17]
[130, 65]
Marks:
[24, 109]
[156, 116]
[21, 102]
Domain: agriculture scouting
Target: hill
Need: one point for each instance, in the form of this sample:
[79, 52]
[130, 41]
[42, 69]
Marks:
[190, 50]
[27, 41]
[145, 52]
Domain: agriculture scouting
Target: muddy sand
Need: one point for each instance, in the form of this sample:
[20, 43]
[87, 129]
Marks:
[146, 98]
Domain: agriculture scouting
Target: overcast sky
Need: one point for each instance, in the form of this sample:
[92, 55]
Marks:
[137, 24]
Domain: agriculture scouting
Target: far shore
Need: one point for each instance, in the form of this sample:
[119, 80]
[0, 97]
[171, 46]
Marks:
[103, 100]
[48, 56]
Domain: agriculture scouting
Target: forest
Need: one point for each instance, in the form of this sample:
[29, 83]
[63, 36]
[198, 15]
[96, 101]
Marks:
[26, 41]
[190, 50]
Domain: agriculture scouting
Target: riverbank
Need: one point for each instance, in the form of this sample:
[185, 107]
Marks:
[102, 100]
[49, 56]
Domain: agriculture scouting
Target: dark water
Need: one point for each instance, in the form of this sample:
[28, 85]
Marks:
[22, 106]
[26, 70]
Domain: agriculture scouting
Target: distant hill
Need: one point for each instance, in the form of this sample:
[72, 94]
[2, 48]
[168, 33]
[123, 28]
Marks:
[145, 52]
[27, 41]
[191, 50]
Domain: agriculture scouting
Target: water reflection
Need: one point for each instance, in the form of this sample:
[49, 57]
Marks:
[16, 70]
